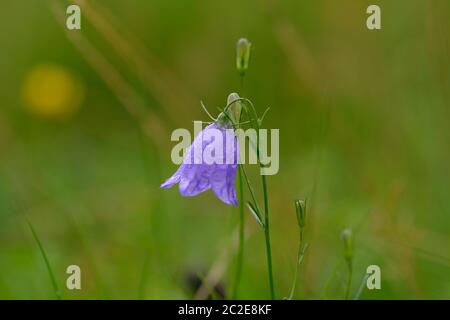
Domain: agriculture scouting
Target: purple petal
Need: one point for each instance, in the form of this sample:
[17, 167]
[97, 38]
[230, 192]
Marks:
[222, 183]
[175, 178]
[195, 180]
[222, 179]
[195, 176]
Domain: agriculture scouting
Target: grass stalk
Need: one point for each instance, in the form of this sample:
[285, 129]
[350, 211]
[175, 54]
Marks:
[47, 263]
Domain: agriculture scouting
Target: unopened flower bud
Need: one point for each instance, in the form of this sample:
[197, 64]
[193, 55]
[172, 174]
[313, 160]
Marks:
[300, 210]
[243, 49]
[347, 237]
[234, 109]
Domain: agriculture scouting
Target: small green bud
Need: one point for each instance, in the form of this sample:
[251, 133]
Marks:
[234, 109]
[300, 210]
[243, 49]
[347, 237]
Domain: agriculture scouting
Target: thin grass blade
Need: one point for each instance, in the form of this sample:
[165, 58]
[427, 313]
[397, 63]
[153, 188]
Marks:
[47, 263]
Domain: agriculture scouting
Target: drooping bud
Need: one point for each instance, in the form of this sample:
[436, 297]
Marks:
[347, 237]
[234, 109]
[243, 50]
[300, 210]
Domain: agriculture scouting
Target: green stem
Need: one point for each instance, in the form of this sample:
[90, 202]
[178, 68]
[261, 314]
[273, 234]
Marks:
[250, 189]
[349, 280]
[266, 204]
[255, 124]
[297, 264]
[324, 293]
[240, 256]
[361, 287]
[267, 237]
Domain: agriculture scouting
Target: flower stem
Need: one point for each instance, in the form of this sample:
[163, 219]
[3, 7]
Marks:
[240, 256]
[300, 253]
[267, 237]
[349, 280]
[255, 124]
[255, 119]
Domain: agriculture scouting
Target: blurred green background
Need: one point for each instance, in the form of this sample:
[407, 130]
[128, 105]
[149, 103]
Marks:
[85, 123]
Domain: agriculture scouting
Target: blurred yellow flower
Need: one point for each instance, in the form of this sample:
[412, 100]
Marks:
[52, 91]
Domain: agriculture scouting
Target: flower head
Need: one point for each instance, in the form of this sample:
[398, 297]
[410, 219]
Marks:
[347, 237]
[209, 163]
[300, 210]
[243, 50]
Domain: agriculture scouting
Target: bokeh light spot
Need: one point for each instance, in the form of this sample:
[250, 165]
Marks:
[52, 91]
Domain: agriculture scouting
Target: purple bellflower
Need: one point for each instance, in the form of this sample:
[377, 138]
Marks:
[211, 161]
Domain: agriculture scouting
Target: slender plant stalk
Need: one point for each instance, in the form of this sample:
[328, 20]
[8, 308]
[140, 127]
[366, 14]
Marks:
[349, 280]
[266, 208]
[47, 263]
[255, 124]
[240, 256]
[361, 287]
[267, 237]
[324, 293]
[347, 237]
[254, 118]
[300, 254]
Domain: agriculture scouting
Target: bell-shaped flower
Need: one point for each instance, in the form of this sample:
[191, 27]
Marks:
[209, 163]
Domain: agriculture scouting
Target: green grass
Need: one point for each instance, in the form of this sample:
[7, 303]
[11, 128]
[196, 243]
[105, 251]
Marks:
[363, 119]
[46, 261]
